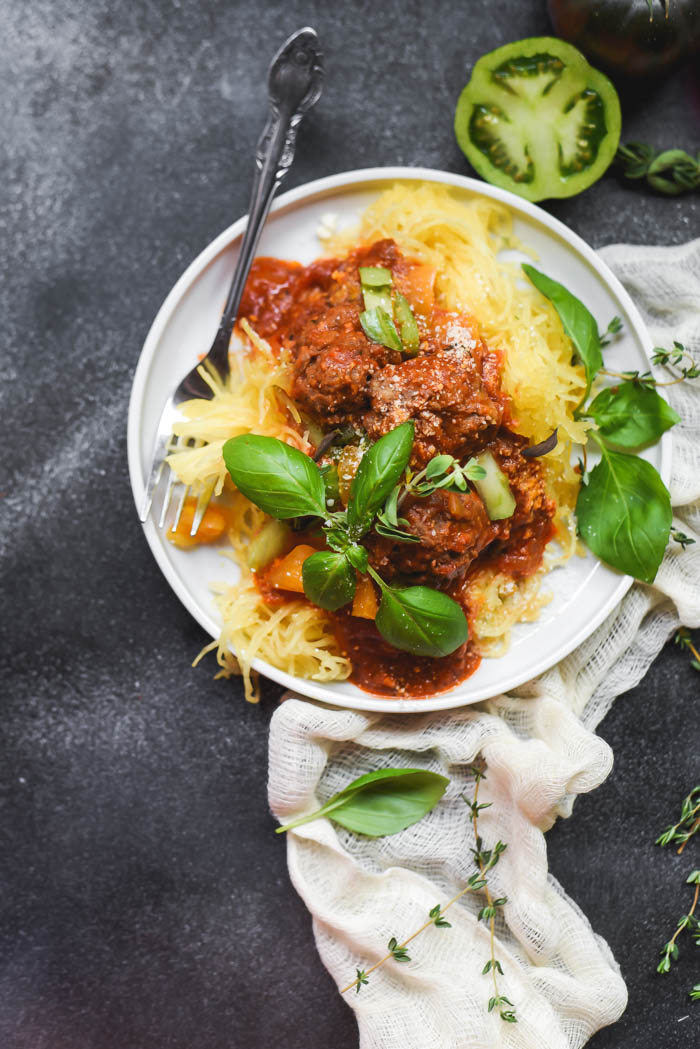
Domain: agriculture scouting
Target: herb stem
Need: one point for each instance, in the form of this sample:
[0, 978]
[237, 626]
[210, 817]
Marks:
[489, 898]
[690, 914]
[413, 935]
[696, 823]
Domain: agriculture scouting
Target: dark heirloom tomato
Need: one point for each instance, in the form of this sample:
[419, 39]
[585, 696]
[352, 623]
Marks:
[537, 119]
[630, 37]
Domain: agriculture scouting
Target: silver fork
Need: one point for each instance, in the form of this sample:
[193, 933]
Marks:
[295, 81]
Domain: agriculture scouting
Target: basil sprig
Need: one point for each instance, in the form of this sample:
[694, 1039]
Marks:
[379, 471]
[285, 483]
[380, 803]
[577, 320]
[624, 508]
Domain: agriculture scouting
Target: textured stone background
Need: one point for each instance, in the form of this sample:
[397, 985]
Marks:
[144, 900]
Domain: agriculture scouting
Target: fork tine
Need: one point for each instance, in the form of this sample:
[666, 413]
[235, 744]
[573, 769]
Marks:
[201, 508]
[180, 507]
[168, 496]
[157, 462]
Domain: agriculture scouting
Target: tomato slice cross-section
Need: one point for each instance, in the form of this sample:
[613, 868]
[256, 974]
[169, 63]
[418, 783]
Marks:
[537, 119]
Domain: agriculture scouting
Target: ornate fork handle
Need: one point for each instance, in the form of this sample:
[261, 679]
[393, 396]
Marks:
[294, 85]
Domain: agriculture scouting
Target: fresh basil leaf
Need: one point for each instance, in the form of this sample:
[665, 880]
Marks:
[391, 507]
[379, 327]
[474, 471]
[337, 538]
[421, 620]
[379, 471]
[390, 531]
[358, 557]
[438, 466]
[279, 479]
[329, 579]
[382, 802]
[577, 320]
[630, 415]
[624, 514]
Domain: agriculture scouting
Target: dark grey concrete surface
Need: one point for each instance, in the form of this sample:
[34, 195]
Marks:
[144, 899]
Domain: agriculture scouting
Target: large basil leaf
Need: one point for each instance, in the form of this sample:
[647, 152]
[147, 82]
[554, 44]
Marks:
[329, 579]
[422, 621]
[631, 415]
[380, 469]
[279, 479]
[382, 802]
[577, 320]
[624, 514]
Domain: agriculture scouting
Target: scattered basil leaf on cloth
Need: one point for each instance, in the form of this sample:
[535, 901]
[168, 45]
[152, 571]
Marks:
[380, 803]
[624, 514]
[329, 579]
[279, 479]
[379, 471]
[420, 620]
[631, 415]
[577, 320]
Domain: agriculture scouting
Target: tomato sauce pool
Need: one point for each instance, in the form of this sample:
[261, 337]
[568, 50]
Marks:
[379, 668]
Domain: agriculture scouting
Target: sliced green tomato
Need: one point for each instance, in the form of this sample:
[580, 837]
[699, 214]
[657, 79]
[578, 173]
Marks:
[537, 119]
[403, 315]
[494, 488]
[374, 297]
[375, 276]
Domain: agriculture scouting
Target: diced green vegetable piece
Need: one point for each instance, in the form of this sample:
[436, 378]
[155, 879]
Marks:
[494, 488]
[273, 540]
[331, 482]
[379, 327]
[403, 315]
[374, 297]
[375, 276]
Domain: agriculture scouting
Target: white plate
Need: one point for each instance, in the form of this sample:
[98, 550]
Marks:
[584, 590]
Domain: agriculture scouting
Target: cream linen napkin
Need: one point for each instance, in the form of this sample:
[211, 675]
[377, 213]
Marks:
[541, 750]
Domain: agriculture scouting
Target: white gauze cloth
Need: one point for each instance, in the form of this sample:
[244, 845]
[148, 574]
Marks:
[540, 748]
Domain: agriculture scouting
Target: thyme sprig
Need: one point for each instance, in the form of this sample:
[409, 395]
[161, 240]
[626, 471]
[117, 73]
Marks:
[668, 171]
[670, 358]
[669, 952]
[685, 641]
[688, 824]
[680, 834]
[485, 860]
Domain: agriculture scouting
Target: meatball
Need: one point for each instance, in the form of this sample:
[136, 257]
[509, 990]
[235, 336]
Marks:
[335, 363]
[453, 528]
[443, 393]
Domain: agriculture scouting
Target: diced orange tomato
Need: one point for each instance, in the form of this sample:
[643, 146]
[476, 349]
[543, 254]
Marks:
[364, 603]
[418, 285]
[285, 574]
[212, 527]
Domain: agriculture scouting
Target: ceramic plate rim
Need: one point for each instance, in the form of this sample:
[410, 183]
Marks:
[320, 187]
